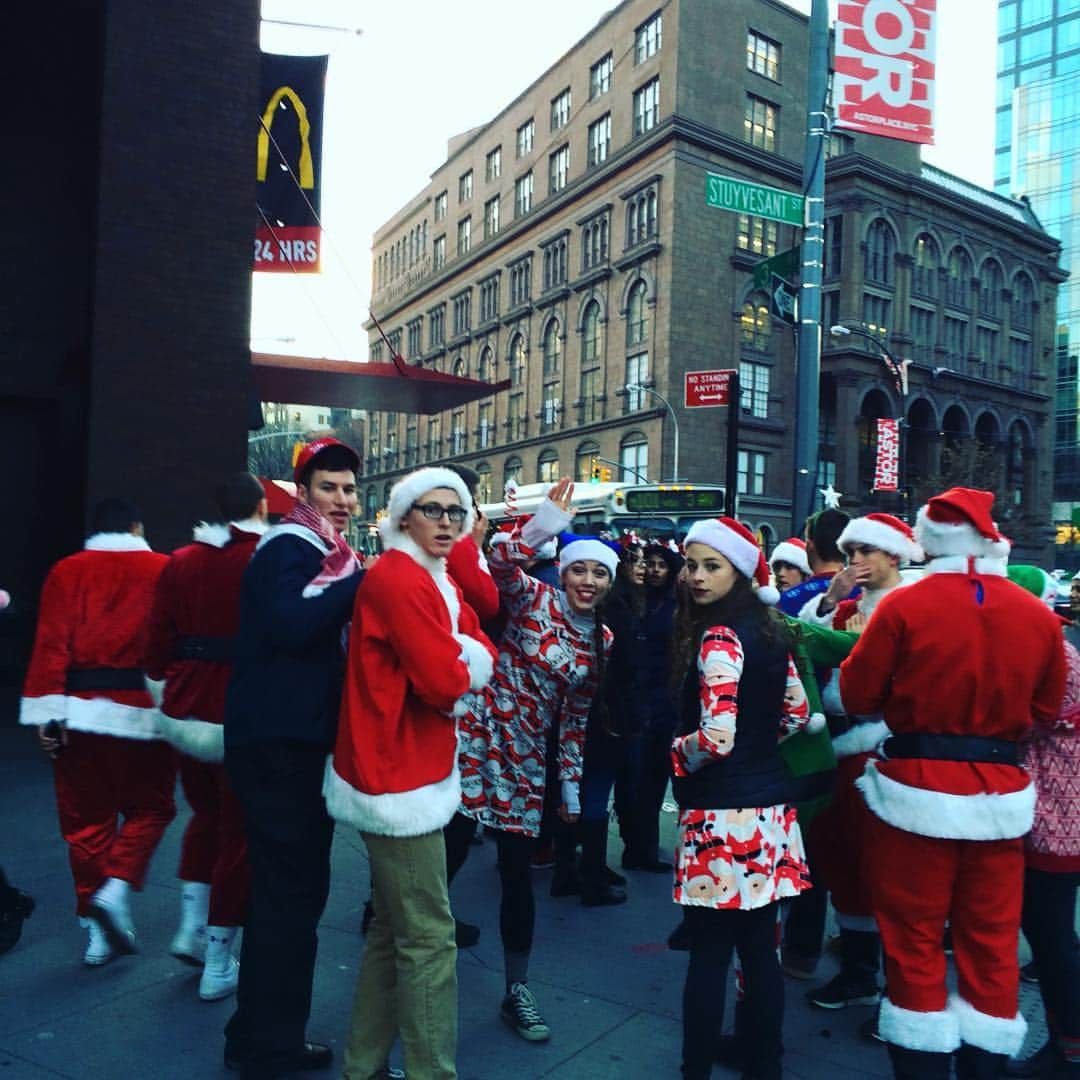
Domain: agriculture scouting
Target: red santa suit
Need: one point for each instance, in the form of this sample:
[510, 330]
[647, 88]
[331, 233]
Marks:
[959, 663]
[468, 570]
[194, 619]
[115, 778]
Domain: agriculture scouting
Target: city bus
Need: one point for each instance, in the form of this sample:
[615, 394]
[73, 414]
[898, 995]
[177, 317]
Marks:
[649, 511]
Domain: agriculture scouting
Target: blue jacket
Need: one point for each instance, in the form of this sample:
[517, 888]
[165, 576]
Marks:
[287, 677]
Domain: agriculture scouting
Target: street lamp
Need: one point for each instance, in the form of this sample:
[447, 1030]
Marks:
[896, 369]
[635, 387]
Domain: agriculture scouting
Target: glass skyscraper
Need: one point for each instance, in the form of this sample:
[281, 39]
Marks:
[1037, 156]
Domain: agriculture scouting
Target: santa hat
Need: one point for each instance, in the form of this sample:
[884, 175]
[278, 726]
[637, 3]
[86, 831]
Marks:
[575, 548]
[737, 544]
[958, 522]
[793, 552]
[884, 532]
[409, 488]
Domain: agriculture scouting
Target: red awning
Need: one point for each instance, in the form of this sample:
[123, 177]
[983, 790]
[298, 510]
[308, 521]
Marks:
[348, 384]
[280, 494]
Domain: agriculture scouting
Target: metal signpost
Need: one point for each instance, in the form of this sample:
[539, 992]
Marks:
[709, 390]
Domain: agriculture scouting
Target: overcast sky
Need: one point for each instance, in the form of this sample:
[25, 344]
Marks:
[422, 71]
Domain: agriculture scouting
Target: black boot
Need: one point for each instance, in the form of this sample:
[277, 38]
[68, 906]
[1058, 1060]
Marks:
[919, 1064]
[972, 1063]
[596, 889]
[857, 982]
[1048, 1060]
[566, 880]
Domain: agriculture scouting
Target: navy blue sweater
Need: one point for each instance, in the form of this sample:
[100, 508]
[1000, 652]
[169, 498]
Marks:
[286, 681]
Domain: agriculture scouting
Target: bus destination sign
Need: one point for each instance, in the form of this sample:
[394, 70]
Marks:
[675, 500]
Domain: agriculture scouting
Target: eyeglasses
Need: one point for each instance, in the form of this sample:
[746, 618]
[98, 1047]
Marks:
[434, 511]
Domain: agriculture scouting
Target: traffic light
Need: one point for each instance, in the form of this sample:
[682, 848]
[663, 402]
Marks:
[605, 475]
[594, 477]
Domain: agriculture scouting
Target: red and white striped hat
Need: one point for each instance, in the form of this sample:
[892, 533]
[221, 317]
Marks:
[793, 552]
[737, 544]
[884, 532]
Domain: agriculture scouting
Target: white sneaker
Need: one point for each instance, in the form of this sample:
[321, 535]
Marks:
[189, 945]
[217, 983]
[109, 909]
[98, 951]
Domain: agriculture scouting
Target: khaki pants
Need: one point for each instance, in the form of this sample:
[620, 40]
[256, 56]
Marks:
[408, 978]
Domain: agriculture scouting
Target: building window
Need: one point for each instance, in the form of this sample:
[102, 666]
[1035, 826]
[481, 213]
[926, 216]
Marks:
[590, 406]
[989, 289]
[517, 361]
[457, 433]
[754, 388]
[523, 194]
[641, 219]
[485, 426]
[493, 165]
[486, 366]
[755, 324]
[647, 106]
[440, 207]
[547, 467]
[521, 282]
[599, 140]
[434, 438]
[438, 252]
[923, 333]
[464, 187]
[600, 77]
[437, 326]
[637, 314]
[489, 299]
[460, 370]
[756, 234]
[647, 39]
[634, 459]
[955, 338]
[555, 263]
[763, 55]
[375, 352]
[958, 280]
[512, 471]
[491, 217]
[878, 261]
[558, 169]
[751, 473]
[585, 461]
[986, 345]
[1020, 355]
[552, 349]
[836, 145]
[594, 243]
[483, 482]
[834, 246]
[759, 124]
[637, 372]
[560, 110]
[1023, 302]
[462, 313]
[549, 412]
[416, 338]
[525, 138]
[411, 442]
[924, 268]
[877, 314]
[515, 417]
[394, 337]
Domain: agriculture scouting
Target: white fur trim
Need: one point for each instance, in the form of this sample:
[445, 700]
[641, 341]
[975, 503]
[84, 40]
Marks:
[571, 796]
[588, 548]
[860, 739]
[741, 553]
[830, 695]
[958, 564]
[546, 523]
[809, 612]
[481, 666]
[156, 689]
[199, 739]
[409, 488]
[212, 534]
[994, 1034]
[100, 716]
[290, 528]
[398, 813]
[791, 554]
[985, 816]
[816, 723]
[115, 542]
[932, 1032]
[254, 525]
[865, 530]
[943, 538]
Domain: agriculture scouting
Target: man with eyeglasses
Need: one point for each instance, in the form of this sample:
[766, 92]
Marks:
[415, 651]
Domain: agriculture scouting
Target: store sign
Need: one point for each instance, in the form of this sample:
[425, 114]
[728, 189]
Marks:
[887, 466]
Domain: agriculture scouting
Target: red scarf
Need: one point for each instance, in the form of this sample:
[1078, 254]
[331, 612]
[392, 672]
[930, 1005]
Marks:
[341, 562]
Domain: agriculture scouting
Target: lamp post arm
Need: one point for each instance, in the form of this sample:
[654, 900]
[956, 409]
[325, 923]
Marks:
[674, 425]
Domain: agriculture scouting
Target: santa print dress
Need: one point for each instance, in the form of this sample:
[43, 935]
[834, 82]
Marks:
[546, 673]
[737, 858]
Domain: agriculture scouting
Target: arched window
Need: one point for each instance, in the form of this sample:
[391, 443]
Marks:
[485, 369]
[958, 280]
[512, 471]
[552, 348]
[990, 289]
[590, 335]
[767, 536]
[634, 458]
[584, 460]
[924, 268]
[880, 247]
[1023, 304]
[547, 466]
[386, 493]
[756, 324]
[637, 315]
[459, 367]
[517, 361]
[483, 483]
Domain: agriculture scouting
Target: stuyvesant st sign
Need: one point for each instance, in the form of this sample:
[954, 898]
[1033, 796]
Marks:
[742, 197]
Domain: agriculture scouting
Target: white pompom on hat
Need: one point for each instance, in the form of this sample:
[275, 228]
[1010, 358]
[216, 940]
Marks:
[737, 544]
[958, 522]
[793, 552]
[409, 488]
[884, 532]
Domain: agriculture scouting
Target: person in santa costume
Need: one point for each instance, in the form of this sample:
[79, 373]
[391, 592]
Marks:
[415, 649]
[876, 546]
[281, 716]
[789, 564]
[87, 695]
[825, 559]
[190, 644]
[960, 663]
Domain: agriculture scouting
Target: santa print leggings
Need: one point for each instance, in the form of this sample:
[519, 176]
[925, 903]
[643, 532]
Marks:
[517, 909]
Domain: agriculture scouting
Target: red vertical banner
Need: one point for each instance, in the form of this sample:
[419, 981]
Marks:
[887, 466]
[884, 67]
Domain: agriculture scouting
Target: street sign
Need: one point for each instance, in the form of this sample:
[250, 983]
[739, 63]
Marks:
[783, 300]
[707, 389]
[741, 197]
[784, 264]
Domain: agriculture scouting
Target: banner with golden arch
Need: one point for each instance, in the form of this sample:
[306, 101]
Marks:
[288, 174]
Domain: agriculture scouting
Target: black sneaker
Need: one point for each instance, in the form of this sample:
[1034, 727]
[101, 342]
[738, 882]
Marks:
[19, 909]
[844, 991]
[520, 1012]
[1029, 973]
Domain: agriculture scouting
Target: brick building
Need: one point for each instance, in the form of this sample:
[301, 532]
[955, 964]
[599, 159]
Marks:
[567, 246]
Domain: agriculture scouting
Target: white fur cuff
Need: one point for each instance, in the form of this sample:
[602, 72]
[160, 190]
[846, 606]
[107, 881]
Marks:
[478, 660]
[932, 1032]
[548, 521]
[994, 1034]
[199, 739]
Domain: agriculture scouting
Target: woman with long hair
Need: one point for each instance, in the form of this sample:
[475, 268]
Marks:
[739, 849]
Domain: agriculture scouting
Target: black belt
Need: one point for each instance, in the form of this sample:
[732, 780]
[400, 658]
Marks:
[839, 724]
[221, 650]
[88, 680]
[952, 748]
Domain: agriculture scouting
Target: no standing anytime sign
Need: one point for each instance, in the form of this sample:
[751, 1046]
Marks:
[705, 389]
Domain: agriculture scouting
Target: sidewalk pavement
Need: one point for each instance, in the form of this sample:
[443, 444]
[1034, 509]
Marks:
[603, 977]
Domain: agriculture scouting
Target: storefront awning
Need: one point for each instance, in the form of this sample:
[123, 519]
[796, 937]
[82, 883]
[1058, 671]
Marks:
[348, 384]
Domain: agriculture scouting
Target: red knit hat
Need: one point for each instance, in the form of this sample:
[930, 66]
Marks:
[884, 532]
[737, 544]
[958, 522]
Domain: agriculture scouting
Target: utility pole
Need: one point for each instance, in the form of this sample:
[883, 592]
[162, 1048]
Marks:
[813, 246]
